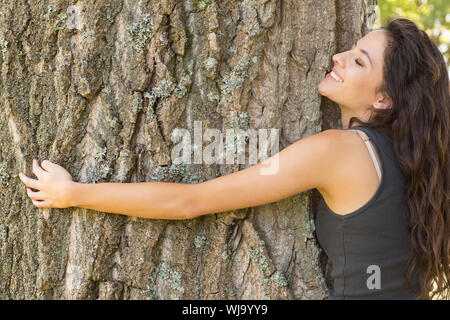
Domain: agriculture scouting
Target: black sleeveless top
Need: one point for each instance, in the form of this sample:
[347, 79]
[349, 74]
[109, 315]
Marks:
[369, 247]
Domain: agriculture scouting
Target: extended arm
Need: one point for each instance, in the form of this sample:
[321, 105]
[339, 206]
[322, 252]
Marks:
[306, 164]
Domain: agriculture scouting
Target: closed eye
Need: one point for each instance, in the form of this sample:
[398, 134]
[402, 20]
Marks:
[356, 60]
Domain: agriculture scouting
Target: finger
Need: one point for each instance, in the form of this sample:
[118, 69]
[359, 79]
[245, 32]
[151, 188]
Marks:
[47, 165]
[29, 182]
[37, 170]
[41, 204]
[35, 195]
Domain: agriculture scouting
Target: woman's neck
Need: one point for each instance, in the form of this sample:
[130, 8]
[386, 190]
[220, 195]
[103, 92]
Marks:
[347, 114]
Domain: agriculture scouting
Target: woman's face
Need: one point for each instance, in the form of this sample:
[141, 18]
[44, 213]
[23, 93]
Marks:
[359, 74]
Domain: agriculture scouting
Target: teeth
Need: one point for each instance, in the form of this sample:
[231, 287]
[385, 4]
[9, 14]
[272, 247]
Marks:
[335, 77]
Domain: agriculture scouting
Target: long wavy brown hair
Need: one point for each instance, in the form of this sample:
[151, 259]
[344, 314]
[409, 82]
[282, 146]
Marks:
[415, 77]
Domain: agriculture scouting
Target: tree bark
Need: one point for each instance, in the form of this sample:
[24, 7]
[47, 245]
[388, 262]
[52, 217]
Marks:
[98, 87]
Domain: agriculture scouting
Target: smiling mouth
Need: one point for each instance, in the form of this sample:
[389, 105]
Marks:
[333, 76]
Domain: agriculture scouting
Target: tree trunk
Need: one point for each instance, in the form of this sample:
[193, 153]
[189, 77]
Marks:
[99, 87]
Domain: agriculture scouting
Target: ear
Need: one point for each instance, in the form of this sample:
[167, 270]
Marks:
[384, 102]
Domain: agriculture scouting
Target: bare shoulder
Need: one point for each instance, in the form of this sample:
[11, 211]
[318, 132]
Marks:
[350, 160]
[332, 140]
[337, 147]
[339, 142]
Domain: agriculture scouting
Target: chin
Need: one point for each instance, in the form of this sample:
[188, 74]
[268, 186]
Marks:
[322, 89]
[326, 92]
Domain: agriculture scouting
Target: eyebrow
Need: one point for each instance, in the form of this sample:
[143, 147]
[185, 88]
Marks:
[365, 52]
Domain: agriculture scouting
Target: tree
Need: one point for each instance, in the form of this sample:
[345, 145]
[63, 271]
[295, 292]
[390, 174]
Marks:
[98, 87]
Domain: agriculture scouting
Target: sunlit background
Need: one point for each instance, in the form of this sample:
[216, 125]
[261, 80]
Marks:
[432, 16]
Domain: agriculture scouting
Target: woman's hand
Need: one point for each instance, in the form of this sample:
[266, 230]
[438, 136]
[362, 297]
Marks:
[53, 185]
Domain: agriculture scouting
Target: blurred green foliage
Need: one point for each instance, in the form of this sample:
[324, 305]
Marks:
[432, 16]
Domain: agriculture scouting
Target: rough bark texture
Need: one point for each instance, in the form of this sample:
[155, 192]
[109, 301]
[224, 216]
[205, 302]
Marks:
[99, 86]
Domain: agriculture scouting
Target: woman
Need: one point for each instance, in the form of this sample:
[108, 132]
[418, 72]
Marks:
[395, 83]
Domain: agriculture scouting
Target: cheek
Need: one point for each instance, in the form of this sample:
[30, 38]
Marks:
[359, 86]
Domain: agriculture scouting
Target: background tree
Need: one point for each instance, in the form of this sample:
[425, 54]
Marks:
[99, 86]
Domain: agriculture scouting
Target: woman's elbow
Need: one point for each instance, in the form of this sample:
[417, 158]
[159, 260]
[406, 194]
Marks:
[192, 201]
[196, 202]
[191, 210]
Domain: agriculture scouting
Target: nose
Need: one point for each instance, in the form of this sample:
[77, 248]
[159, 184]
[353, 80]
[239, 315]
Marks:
[337, 59]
